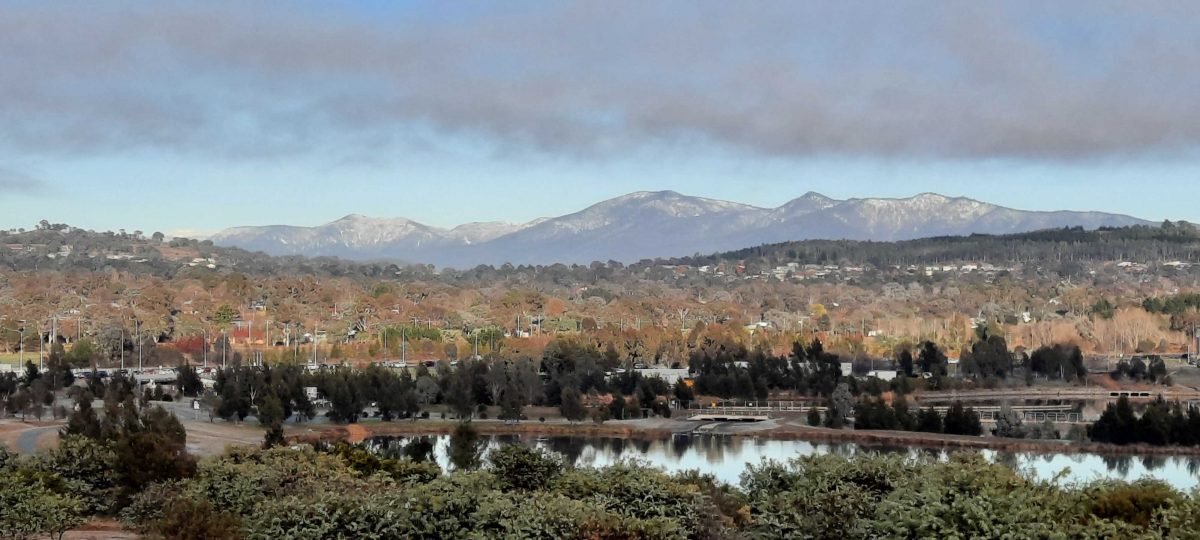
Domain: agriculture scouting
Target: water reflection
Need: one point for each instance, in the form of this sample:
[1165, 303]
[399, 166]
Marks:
[1118, 464]
[1193, 466]
[727, 457]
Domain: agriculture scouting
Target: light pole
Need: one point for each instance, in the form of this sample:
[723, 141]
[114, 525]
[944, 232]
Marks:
[122, 346]
[137, 336]
[21, 343]
[41, 349]
[21, 354]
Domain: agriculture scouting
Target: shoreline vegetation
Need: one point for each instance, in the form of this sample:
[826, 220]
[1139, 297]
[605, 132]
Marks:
[869, 439]
[132, 465]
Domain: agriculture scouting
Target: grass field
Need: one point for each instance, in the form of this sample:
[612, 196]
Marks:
[14, 358]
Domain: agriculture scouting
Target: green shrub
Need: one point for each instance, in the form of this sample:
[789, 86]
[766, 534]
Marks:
[190, 519]
[523, 468]
[31, 507]
[1132, 503]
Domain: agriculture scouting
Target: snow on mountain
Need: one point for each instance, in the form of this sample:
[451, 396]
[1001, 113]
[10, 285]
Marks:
[482, 231]
[654, 224]
[360, 237]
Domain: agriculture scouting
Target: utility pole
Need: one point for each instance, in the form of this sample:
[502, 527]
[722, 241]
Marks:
[204, 346]
[122, 347]
[21, 353]
[137, 335]
[224, 347]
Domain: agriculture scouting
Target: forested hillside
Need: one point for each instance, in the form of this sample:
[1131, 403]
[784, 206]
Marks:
[1091, 288]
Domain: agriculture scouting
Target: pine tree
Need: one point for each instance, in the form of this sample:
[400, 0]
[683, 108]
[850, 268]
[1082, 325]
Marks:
[929, 421]
[814, 416]
[572, 405]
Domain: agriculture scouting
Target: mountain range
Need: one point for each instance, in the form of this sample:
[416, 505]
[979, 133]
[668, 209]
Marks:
[651, 224]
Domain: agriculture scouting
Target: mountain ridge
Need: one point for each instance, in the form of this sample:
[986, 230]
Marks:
[648, 224]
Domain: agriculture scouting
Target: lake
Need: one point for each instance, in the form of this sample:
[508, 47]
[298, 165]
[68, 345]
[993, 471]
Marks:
[727, 457]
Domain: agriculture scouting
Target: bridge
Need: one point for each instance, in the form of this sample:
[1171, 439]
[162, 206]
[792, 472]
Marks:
[1089, 393]
[729, 417]
[752, 412]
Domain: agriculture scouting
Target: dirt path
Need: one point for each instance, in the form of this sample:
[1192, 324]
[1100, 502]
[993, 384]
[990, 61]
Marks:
[28, 437]
[210, 439]
[100, 529]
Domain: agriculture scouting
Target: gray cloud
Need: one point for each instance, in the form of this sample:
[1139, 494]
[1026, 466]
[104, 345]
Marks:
[958, 80]
[15, 182]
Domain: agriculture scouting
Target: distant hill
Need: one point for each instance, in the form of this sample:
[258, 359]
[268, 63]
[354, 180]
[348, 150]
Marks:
[60, 247]
[655, 224]
[1048, 247]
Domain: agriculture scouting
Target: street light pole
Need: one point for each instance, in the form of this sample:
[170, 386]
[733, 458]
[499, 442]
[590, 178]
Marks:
[21, 343]
[137, 335]
[122, 347]
[21, 353]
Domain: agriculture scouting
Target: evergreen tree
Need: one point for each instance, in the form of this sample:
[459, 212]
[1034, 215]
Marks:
[904, 418]
[459, 391]
[616, 408]
[929, 421]
[932, 360]
[1117, 424]
[271, 416]
[814, 416]
[960, 421]
[512, 399]
[1154, 426]
[58, 369]
[189, 383]
[840, 405]
[905, 359]
[1008, 423]
[572, 405]
[83, 420]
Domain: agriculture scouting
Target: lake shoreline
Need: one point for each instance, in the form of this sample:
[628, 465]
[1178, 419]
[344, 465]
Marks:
[658, 429]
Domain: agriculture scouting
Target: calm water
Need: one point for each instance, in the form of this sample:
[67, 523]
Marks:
[727, 457]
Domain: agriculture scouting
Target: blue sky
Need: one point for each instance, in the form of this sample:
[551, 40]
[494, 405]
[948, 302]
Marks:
[198, 116]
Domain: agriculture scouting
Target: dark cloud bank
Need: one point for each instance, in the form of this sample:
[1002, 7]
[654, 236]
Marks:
[942, 80]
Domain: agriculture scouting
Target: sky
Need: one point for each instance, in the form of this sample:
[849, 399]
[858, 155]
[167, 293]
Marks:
[189, 117]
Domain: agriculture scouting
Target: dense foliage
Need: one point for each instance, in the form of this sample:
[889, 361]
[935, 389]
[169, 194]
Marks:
[1160, 424]
[524, 493]
[133, 465]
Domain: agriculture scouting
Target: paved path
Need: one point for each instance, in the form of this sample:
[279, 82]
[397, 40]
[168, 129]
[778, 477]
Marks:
[27, 441]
